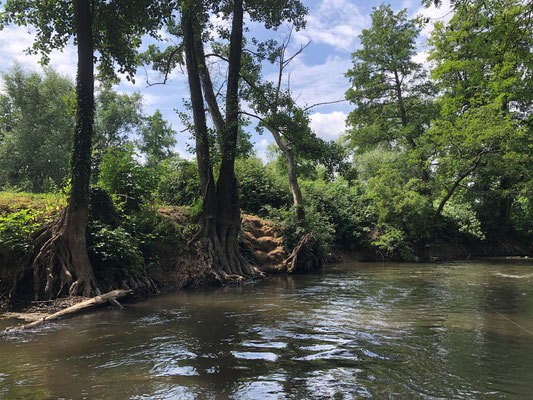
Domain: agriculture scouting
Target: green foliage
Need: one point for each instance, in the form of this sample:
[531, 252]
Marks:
[117, 25]
[401, 214]
[16, 231]
[180, 183]
[391, 92]
[117, 118]
[157, 140]
[258, 186]
[340, 206]
[465, 219]
[113, 252]
[123, 176]
[36, 129]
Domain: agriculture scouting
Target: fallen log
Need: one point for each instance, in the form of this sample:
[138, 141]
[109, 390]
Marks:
[76, 308]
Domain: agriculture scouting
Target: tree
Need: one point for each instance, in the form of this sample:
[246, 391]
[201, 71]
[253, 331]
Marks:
[276, 110]
[157, 139]
[114, 28]
[221, 213]
[36, 126]
[391, 92]
[118, 117]
[483, 65]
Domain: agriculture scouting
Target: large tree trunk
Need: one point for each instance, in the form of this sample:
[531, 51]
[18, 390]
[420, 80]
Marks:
[221, 212]
[62, 265]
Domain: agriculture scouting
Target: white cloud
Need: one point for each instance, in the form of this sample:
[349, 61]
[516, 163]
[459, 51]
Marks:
[319, 83]
[14, 40]
[334, 22]
[328, 126]
[263, 143]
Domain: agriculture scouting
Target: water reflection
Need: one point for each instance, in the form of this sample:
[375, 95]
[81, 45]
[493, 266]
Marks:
[355, 331]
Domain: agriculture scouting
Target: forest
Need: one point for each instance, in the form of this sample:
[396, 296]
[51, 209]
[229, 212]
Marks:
[433, 163]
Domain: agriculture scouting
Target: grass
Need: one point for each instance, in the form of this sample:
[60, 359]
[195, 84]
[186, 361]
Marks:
[48, 204]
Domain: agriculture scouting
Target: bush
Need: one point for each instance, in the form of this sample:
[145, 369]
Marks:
[123, 176]
[259, 186]
[16, 230]
[180, 183]
[113, 252]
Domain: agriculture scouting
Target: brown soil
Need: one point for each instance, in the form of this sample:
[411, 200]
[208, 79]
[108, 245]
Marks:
[263, 239]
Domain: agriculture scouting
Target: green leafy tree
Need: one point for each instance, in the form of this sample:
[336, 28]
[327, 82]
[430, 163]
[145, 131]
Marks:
[36, 129]
[113, 28]
[483, 65]
[118, 118]
[221, 211]
[157, 139]
[391, 92]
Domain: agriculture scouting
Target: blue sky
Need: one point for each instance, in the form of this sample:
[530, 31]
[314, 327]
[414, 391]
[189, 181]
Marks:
[317, 75]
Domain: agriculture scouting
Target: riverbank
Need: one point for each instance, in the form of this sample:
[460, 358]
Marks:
[160, 242]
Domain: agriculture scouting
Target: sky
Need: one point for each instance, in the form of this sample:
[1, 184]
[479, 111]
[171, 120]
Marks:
[316, 75]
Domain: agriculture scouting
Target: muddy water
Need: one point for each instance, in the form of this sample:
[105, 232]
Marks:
[396, 331]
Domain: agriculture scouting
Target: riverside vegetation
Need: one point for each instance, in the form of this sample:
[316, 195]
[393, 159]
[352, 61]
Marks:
[432, 164]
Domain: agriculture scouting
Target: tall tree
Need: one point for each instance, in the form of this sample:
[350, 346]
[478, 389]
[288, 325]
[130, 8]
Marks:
[157, 139]
[391, 92]
[114, 28]
[36, 127]
[483, 65]
[221, 212]
[273, 105]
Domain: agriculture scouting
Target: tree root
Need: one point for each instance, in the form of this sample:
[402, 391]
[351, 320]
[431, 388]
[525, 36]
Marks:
[61, 266]
[303, 258]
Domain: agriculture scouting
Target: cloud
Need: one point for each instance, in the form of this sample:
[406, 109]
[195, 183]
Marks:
[14, 40]
[334, 22]
[319, 83]
[328, 126]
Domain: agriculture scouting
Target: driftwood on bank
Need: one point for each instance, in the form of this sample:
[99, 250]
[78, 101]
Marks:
[76, 308]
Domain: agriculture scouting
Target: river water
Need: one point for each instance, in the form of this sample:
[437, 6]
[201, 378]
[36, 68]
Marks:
[372, 330]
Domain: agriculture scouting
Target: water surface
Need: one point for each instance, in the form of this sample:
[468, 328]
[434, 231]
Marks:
[395, 331]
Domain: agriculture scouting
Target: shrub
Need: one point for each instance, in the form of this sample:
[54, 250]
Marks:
[113, 252]
[123, 176]
[259, 186]
[180, 183]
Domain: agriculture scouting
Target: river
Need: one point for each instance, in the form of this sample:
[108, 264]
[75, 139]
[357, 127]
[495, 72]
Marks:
[358, 330]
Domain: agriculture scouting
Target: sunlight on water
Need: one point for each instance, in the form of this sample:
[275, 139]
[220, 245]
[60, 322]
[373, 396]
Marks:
[461, 330]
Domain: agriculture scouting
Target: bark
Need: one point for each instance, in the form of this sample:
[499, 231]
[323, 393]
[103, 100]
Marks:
[293, 177]
[62, 265]
[221, 212]
[209, 92]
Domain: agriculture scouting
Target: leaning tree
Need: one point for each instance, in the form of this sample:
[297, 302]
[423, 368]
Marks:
[107, 33]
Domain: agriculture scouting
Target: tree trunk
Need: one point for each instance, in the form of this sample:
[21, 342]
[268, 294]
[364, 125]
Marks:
[293, 177]
[221, 212]
[455, 185]
[62, 264]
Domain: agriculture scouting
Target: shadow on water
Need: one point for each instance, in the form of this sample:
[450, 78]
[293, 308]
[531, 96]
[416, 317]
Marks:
[369, 330]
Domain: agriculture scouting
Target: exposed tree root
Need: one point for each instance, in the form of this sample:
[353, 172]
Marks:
[223, 254]
[61, 266]
[303, 258]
